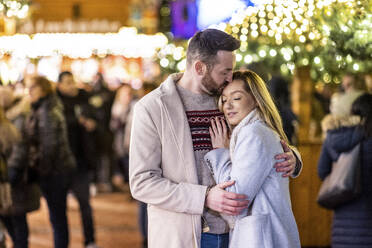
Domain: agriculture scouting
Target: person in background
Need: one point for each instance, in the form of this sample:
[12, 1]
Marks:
[101, 99]
[352, 221]
[50, 154]
[341, 101]
[278, 87]
[81, 128]
[24, 185]
[368, 82]
[9, 136]
[119, 119]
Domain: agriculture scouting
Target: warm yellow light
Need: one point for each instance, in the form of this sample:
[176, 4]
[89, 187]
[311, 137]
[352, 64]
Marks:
[254, 34]
[262, 53]
[248, 59]
[164, 62]
[264, 28]
[293, 25]
[235, 30]
[273, 53]
[244, 31]
[254, 26]
[238, 57]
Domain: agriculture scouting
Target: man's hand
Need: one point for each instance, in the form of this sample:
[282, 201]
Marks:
[226, 202]
[287, 166]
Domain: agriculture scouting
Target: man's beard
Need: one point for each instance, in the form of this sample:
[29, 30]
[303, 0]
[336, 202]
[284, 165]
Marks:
[210, 85]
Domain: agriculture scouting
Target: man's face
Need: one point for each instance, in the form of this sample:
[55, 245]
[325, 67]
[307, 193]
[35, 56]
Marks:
[67, 85]
[220, 73]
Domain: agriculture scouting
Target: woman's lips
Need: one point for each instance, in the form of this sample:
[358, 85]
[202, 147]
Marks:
[231, 114]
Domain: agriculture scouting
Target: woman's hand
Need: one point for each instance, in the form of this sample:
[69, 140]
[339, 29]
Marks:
[219, 133]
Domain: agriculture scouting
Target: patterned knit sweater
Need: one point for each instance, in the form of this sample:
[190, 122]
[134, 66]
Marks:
[200, 109]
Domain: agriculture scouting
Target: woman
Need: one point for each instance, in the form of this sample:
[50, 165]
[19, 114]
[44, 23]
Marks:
[25, 191]
[255, 140]
[9, 136]
[50, 154]
[352, 222]
[118, 124]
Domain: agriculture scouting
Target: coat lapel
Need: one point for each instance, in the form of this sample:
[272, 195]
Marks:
[179, 125]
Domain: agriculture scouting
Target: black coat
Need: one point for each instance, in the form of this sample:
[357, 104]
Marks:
[82, 142]
[50, 152]
[352, 222]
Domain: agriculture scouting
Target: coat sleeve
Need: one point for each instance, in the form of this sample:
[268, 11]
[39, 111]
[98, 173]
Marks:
[253, 160]
[299, 163]
[219, 163]
[145, 171]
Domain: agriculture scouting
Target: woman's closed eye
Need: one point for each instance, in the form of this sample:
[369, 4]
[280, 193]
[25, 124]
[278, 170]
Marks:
[237, 98]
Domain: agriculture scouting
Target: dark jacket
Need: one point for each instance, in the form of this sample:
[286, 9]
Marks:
[25, 189]
[82, 142]
[50, 152]
[352, 222]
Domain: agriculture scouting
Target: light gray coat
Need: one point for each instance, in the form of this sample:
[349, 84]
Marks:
[162, 169]
[269, 221]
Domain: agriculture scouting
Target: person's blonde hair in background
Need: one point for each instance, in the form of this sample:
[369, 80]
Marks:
[341, 101]
[8, 132]
[265, 105]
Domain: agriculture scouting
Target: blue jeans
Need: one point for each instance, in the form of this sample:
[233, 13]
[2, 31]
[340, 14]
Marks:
[80, 189]
[54, 189]
[17, 228]
[210, 240]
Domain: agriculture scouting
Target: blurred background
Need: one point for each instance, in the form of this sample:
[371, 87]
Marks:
[309, 52]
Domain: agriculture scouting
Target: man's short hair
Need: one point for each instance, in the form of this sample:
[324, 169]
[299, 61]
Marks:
[204, 46]
[62, 74]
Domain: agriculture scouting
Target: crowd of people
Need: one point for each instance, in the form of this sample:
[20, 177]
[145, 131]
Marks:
[58, 138]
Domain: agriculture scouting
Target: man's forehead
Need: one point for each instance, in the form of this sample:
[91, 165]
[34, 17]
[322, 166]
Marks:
[225, 60]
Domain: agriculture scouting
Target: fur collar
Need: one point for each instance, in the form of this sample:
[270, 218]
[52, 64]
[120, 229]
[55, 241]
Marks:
[331, 122]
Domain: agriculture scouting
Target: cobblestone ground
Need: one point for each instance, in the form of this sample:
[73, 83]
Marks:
[115, 220]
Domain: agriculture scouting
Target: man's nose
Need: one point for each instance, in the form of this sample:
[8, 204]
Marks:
[229, 78]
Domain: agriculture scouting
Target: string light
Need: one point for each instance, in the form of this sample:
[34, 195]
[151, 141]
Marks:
[126, 43]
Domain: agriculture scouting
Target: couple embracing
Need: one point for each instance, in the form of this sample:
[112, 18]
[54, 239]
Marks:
[210, 182]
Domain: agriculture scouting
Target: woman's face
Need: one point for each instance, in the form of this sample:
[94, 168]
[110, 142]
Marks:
[35, 92]
[237, 103]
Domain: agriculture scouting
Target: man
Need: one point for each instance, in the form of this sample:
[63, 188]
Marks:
[169, 140]
[81, 129]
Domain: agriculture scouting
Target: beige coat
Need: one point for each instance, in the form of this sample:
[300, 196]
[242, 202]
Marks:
[162, 169]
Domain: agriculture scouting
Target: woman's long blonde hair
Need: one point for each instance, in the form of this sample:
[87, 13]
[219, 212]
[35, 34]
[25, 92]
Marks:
[254, 85]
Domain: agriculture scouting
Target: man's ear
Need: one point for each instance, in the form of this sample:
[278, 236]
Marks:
[200, 68]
